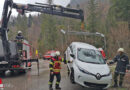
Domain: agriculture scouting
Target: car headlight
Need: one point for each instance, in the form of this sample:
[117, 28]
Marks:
[107, 74]
[83, 71]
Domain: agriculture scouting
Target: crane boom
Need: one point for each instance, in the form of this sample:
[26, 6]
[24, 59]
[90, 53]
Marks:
[38, 7]
[51, 9]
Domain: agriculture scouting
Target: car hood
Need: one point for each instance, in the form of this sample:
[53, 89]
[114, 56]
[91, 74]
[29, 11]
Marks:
[94, 68]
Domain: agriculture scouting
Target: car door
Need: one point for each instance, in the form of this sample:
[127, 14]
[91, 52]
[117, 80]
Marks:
[72, 51]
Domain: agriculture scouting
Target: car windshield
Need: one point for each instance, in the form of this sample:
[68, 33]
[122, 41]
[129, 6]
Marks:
[90, 56]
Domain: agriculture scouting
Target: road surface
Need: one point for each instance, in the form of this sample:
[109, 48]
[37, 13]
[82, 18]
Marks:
[31, 81]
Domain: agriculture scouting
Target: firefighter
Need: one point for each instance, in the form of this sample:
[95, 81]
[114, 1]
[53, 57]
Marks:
[121, 67]
[19, 40]
[19, 36]
[55, 66]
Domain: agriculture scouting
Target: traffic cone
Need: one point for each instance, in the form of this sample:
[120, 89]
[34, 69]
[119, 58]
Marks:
[1, 84]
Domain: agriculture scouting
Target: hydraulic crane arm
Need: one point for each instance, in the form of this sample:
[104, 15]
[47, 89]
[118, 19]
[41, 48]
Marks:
[38, 7]
[51, 9]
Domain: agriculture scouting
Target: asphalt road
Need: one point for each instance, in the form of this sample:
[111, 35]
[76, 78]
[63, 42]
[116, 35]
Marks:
[31, 81]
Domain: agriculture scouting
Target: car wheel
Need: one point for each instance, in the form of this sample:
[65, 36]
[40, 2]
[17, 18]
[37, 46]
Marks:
[72, 77]
[103, 89]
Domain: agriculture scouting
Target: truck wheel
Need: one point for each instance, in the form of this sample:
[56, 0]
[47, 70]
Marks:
[23, 71]
[72, 77]
[2, 73]
[43, 58]
[12, 72]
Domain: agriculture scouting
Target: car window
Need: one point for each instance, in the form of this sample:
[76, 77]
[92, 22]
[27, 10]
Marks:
[90, 56]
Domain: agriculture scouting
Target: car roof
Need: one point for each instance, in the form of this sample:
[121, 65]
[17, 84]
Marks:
[84, 45]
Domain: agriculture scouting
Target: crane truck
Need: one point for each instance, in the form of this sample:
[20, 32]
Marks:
[9, 54]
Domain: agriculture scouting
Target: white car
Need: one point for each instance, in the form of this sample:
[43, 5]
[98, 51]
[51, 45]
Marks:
[88, 68]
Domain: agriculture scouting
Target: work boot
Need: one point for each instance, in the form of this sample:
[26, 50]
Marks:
[57, 87]
[115, 85]
[50, 87]
[120, 84]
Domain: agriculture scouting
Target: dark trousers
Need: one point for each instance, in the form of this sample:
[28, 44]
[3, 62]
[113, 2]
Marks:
[58, 77]
[116, 78]
[20, 48]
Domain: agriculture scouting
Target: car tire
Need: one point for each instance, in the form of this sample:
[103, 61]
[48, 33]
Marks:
[72, 76]
[103, 89]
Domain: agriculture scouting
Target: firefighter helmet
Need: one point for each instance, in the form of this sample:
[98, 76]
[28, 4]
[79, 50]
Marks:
[19, 32]
[121, 50]
[57, 53]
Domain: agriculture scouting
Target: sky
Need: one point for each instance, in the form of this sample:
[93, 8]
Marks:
[14, 13]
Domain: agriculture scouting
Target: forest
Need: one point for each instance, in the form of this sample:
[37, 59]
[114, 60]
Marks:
[110, 17]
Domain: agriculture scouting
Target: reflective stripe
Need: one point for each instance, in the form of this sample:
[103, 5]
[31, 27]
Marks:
[49, 83]
[51, 63]
[51, 68]
[1, 86]
[120, 72]
[62, 59]
[57, 82]
[56, 70]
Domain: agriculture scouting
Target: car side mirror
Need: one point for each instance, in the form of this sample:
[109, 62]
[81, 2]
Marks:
[72, 55]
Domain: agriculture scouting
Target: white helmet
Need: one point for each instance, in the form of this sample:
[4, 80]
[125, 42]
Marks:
[57, 53]
[121, 50]
[19, 32]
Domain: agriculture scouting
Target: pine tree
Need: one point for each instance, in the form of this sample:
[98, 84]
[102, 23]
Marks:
[119, 11]
[92, 17]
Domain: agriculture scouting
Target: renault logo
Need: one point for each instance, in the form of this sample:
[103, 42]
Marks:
[98, 76]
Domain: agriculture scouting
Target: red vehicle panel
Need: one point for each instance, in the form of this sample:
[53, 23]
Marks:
[48, 55]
